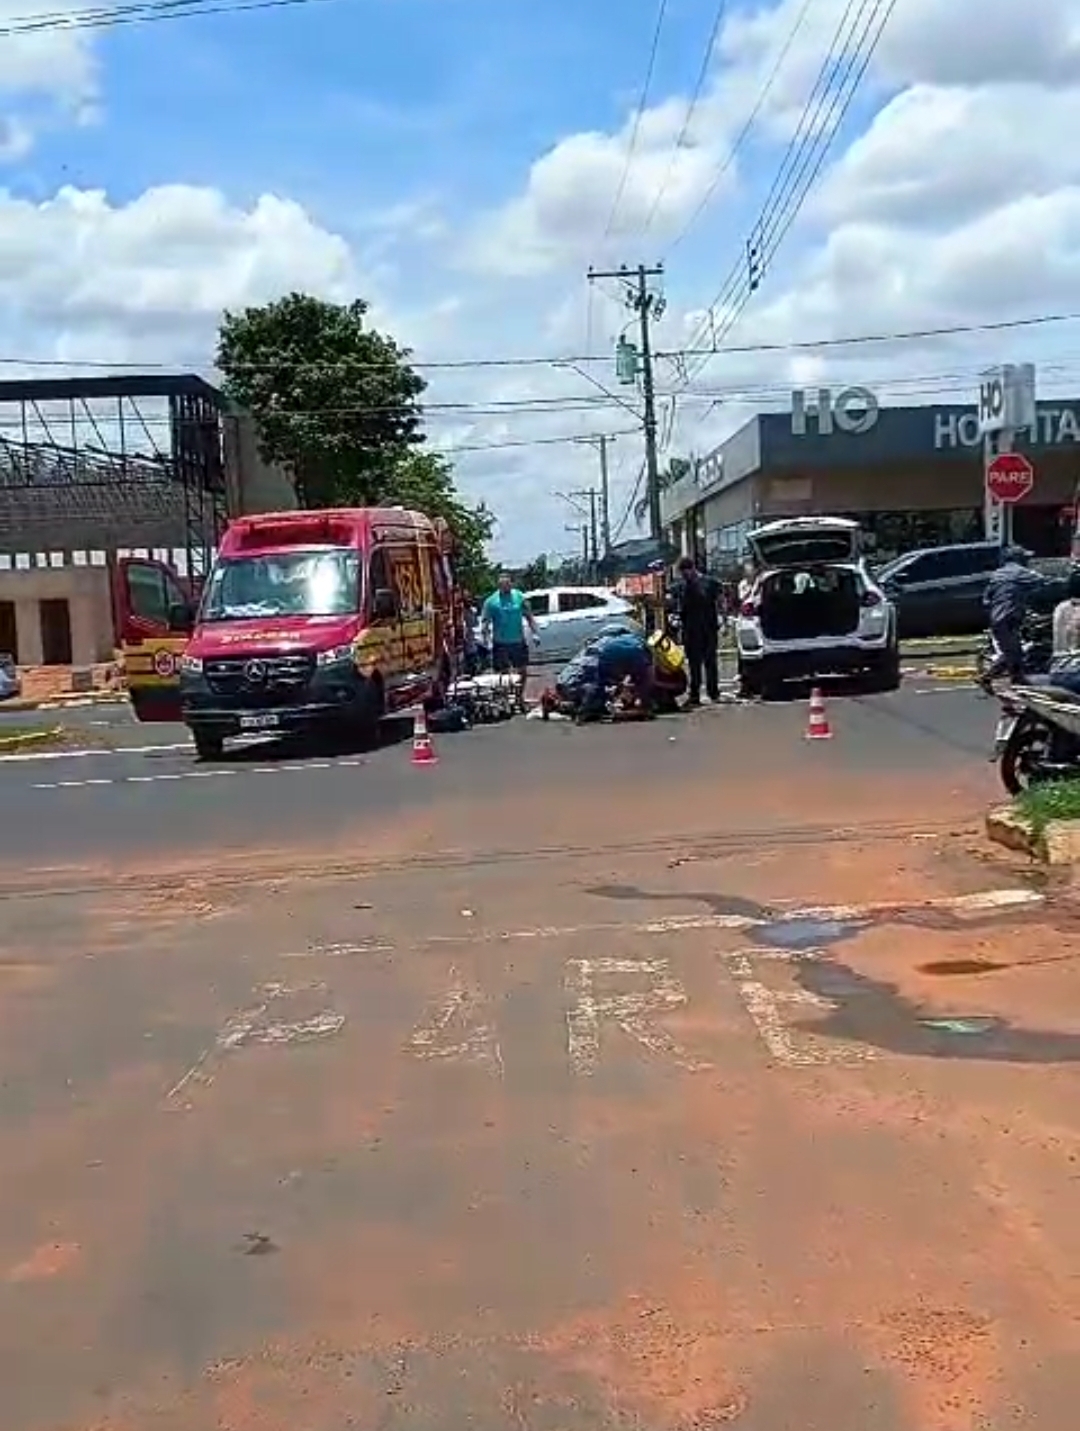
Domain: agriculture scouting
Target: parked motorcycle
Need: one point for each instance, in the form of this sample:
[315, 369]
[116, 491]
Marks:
[1036, 645]
[1037, 739]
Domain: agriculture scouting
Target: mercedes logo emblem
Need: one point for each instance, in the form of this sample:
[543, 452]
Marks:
[255, 671]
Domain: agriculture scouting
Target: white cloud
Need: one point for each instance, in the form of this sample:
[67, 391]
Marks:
[48, 76]
[958, 203]
[160, 269]
[572, 190]
[935, 156]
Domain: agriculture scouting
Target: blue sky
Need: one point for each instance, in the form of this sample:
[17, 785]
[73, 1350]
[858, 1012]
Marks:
[410, 129]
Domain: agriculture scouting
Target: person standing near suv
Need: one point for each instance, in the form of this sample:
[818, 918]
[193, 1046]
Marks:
[696, 598]
[506, 616]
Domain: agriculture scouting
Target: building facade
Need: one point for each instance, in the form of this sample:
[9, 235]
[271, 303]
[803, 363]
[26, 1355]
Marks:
[65, 513]
[912, 477]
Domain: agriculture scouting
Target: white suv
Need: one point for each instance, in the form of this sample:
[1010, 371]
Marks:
[814, 609]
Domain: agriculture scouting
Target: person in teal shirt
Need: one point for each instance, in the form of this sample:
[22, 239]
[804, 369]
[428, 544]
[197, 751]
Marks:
[504, 618]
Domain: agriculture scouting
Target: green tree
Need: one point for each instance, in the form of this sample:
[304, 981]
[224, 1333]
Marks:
[534, 574]
[676, 469]
[335, 402]
[424, 481]
[338, 406]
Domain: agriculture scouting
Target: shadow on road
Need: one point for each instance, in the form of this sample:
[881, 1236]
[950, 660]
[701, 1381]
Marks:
[394, 730]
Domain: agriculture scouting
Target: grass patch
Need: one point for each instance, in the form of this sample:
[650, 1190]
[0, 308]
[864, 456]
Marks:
[1059, 800]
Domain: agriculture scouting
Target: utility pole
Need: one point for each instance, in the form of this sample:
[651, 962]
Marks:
[588, 528]
[647, 303]
[601, 445]
[581, 529]
[590, 495]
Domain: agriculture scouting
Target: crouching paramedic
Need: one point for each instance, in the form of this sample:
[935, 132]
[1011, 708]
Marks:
[616, 658]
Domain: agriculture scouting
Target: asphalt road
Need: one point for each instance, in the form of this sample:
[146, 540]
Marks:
[135, 792]
[655, 1078]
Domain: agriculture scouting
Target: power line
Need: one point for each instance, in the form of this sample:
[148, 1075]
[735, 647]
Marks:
[635, 127]
[801, 345]
[816, 133]
[809, 125]
[634, 495]
[703, 75]
[744, 133]
[150, 12]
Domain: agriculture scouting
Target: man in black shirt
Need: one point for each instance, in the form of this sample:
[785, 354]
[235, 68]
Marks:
[696, 598]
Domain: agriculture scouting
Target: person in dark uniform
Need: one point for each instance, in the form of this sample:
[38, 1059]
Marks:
[617, 657]
[696, 599]
[1009, 594]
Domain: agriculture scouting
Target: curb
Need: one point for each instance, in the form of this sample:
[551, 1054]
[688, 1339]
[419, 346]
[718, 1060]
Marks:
[30, 737]
[1058, 844]
[59, 703]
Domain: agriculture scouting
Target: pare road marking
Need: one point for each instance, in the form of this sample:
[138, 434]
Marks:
[172, 777]
[633, 1011]
[454, 1029]
[256, 1025]
[766, 1009]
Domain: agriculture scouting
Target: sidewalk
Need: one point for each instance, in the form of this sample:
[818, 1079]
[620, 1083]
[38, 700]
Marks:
[53, 688]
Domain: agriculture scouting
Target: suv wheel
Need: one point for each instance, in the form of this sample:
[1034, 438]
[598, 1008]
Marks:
[885, 673]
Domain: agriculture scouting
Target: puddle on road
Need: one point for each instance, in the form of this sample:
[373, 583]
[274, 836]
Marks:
[876, 1015]
[807, 933]
[943, 968]
[872, 1013]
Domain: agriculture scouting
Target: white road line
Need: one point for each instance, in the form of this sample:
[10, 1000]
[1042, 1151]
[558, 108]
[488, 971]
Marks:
[959, 905]
[28, 755]
[195, 774]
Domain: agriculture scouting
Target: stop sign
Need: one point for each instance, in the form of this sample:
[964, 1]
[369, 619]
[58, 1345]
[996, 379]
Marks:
[1010, 477]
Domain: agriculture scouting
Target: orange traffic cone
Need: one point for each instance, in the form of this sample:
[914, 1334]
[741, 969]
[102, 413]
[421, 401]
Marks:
[818, 727]
[423, 752]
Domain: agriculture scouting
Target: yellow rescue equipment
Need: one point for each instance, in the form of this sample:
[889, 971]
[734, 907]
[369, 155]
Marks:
[668, 656]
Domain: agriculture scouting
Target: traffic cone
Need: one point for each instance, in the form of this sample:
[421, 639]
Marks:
[423, 752]
[817, 727]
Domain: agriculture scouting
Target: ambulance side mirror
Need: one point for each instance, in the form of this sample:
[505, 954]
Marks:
[182, 618]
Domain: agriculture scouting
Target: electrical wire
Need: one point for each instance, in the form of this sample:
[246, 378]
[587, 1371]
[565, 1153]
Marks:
[900, 385]
[808, 126]
[620, 526]
[748, 124]
[783, 199]
[635, 126]
[150, 12]
[800, 345]
[688, 118]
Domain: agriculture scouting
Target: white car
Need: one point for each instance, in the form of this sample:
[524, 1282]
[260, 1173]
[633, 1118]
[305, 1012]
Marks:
[568, 616]
[814, 609]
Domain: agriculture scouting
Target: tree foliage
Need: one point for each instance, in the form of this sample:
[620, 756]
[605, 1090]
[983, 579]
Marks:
[676, 469]
[336, 403]
[424, 481]
[338, 406]
[535, 574]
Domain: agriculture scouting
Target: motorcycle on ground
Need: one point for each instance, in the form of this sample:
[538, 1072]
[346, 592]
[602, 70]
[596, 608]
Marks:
[1037, 739]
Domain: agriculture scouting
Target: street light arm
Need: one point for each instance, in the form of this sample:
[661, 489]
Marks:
[601, 387]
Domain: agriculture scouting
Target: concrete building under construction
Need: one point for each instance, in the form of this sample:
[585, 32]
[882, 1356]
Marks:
[99, 466]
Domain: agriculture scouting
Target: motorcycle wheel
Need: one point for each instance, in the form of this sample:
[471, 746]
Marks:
[1024, 755]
